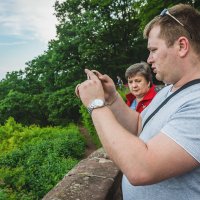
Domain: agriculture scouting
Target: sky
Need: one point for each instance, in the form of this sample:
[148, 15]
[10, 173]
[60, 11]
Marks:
[26, 26]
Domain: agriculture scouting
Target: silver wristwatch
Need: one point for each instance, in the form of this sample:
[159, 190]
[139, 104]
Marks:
[97, 103]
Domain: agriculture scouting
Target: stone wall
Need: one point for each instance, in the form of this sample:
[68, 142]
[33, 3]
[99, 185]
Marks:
[94, 178]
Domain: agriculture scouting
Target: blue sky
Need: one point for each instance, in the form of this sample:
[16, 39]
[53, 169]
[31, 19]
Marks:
[26, 26]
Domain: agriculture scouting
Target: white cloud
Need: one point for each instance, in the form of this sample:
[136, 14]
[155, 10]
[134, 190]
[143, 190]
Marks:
[26, 26]
[11, 43]
[29, 19]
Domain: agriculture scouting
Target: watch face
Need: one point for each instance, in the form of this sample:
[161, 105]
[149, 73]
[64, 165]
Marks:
[98, 102]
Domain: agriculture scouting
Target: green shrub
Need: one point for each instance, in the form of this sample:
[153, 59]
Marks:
[34, 159]
[3, 195]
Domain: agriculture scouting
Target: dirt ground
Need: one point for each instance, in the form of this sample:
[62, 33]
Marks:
[90, 146]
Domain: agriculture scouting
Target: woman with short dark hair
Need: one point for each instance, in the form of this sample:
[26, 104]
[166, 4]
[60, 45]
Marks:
[141, 87]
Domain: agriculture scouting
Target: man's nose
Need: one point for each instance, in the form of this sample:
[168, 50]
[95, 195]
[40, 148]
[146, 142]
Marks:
[149, 59]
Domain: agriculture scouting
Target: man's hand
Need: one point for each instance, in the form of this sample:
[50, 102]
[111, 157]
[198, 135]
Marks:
[108, 85]
[90, 89]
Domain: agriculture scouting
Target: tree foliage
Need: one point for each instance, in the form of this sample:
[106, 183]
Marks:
[105, 35]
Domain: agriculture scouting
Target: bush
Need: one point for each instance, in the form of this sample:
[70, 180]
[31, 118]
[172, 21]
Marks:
[34, 159]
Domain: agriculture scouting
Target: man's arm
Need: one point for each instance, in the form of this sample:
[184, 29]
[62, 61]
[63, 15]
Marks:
[142, 163]
[127, 117]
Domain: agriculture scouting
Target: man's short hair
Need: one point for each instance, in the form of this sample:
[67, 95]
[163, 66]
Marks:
[171, 30]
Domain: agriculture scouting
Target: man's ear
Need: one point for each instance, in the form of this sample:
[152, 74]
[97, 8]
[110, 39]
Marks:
[183, 45]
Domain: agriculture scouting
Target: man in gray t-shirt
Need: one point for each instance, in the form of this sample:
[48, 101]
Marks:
[178, 120]
[161, 160]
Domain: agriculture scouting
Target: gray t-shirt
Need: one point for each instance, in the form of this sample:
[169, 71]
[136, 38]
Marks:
[179, 119]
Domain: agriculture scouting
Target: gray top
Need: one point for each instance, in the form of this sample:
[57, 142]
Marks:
[179, 119]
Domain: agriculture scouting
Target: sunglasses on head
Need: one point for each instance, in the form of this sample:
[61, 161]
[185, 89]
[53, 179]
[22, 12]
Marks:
[166, 12]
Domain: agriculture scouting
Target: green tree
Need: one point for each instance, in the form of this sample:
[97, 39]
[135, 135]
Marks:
[63, 106]
[105, 35]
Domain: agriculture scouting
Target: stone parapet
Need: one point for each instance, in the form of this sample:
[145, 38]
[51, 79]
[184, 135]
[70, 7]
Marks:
[94, 178]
